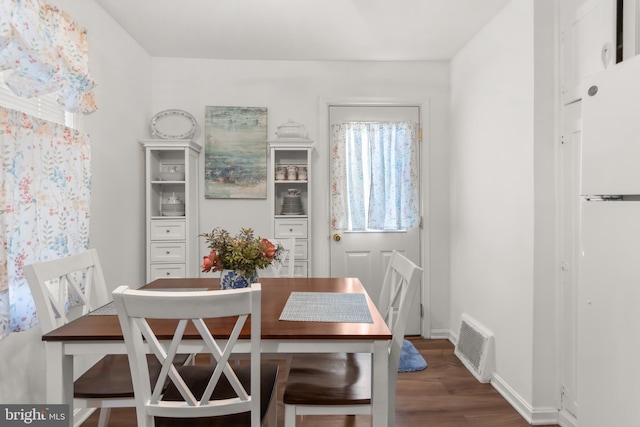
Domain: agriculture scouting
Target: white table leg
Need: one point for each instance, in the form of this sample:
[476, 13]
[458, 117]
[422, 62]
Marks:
[59, 374]
[380, 383]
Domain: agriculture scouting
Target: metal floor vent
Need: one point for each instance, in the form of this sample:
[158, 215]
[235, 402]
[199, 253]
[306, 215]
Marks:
[475, 348]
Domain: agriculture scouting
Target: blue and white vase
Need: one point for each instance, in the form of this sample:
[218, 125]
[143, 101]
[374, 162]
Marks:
[231, 279]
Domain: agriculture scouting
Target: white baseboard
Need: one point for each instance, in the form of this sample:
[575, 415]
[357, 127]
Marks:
[567, 419]
[534, 416]
[439, 334]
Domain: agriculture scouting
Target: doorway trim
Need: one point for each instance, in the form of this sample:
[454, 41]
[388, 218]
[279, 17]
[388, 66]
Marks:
[425, 236]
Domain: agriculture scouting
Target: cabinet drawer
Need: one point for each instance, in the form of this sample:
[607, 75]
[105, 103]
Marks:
[291, 228]
[167, 271]
[168, 252]
[301, 250]
[168, 230]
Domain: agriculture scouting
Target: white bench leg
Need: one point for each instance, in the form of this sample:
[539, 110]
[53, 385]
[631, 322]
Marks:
[289, 416]
[103, 420]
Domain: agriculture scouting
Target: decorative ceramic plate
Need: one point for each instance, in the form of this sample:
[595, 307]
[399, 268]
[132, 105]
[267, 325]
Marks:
[173, 124]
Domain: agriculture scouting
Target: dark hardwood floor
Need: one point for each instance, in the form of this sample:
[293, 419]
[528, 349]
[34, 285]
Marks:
[444, 395]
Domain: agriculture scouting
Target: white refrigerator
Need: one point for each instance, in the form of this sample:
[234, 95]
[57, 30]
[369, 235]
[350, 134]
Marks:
[609, 274]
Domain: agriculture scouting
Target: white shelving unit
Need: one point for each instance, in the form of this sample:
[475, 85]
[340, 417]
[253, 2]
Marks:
[292, 156]
[171, 175]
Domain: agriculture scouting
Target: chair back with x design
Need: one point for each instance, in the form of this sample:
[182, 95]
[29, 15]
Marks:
[399, 288]
[193, 391]
[63, 290]
[316, 384]
[66, 288]
[285, 267]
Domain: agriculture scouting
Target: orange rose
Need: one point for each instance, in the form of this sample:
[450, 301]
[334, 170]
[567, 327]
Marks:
[268, 248]
[211, 263]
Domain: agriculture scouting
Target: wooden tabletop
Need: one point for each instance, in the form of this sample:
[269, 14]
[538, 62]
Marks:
[275, 292]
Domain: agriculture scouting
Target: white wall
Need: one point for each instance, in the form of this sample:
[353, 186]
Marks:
[121, 69]
[299, 90]
[492, 186]
[502, 199]
[546, 275]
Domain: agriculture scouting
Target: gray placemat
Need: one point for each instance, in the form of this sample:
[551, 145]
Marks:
[326, 307]
[105, 310]
[110, 309]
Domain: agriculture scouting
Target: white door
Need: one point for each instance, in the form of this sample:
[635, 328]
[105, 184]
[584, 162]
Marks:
[609, 297]
[365, 255]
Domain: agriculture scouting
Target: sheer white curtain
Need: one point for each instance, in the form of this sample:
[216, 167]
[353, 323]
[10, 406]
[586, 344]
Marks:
[45, 187]
[374, 176]
[45, 51]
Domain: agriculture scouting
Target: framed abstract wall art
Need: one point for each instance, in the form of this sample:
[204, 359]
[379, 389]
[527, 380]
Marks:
[235, 163]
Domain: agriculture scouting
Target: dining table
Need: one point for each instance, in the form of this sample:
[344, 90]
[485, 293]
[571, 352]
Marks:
[99, 333]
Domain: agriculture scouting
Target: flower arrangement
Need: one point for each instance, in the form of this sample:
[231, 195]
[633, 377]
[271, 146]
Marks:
[243, 252]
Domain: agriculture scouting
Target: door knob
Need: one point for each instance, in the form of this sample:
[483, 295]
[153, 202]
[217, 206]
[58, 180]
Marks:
[336, 237]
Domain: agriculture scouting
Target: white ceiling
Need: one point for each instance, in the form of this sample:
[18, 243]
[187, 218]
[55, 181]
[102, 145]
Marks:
[361, 30]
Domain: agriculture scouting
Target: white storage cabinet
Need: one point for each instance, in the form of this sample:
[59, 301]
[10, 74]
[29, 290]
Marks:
[291, 173]
[171, 187]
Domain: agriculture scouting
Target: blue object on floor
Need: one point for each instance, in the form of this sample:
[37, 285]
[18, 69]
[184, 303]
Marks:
[410, 359]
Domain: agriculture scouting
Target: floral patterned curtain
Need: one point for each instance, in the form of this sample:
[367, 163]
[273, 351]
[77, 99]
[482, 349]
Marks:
[374, 176]
[47, 52]
[45, 185]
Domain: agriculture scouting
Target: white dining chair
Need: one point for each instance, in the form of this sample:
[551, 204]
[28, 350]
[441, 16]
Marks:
[285, 267]
[340, 383]
[211, 394]
[65, 289]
